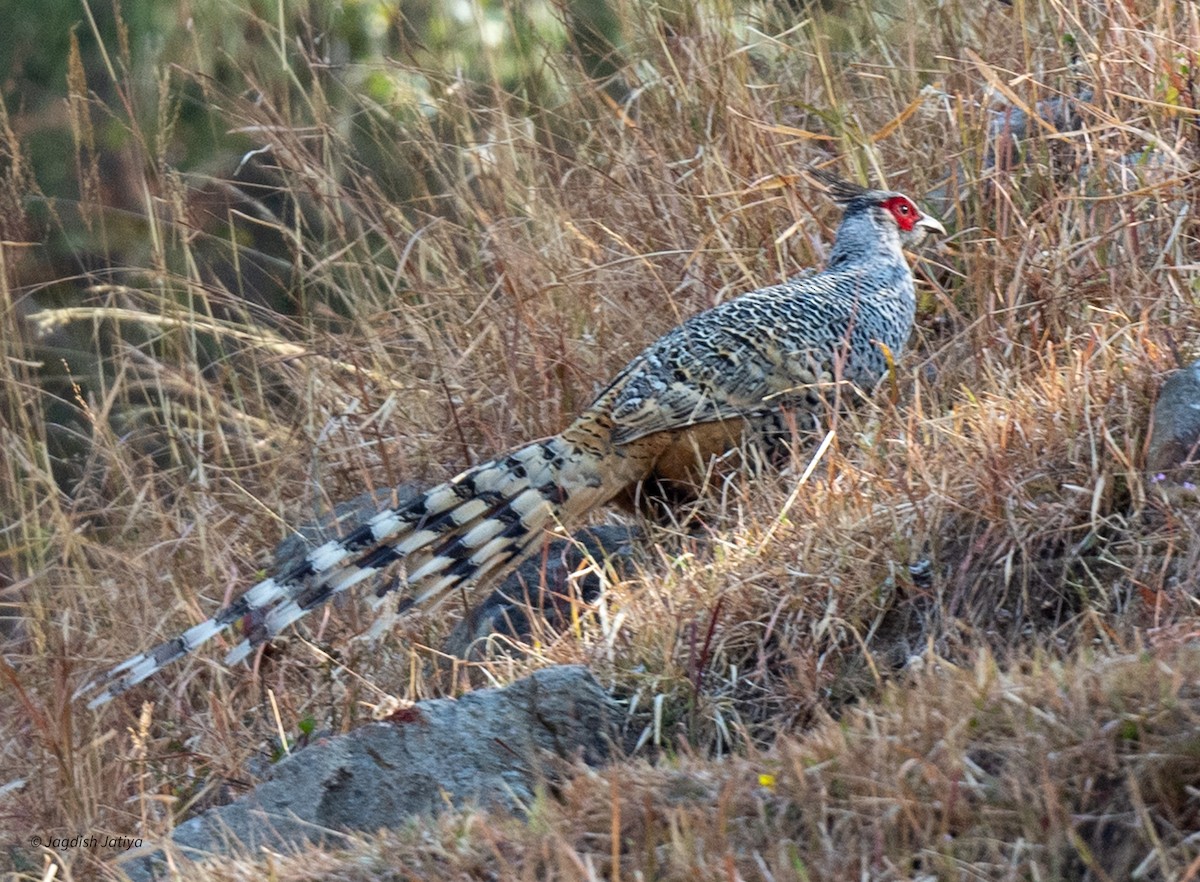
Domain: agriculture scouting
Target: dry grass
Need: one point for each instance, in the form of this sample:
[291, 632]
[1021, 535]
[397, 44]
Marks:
[1028, 712]
[1064, 771]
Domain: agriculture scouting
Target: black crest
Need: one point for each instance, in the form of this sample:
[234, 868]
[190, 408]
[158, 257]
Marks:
[846, 192]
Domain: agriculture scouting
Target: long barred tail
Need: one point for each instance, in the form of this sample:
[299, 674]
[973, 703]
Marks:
[456, 533]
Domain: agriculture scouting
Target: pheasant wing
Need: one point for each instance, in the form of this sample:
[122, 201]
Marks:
[737, 359]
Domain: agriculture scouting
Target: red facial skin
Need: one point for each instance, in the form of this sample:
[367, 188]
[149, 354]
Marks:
[905, 213]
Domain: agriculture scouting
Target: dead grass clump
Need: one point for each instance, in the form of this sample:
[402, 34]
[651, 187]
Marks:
[1076, 769]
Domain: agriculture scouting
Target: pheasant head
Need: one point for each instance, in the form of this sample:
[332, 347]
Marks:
[876, 223]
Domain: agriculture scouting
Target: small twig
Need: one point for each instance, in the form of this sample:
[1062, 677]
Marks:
[702, 663]
[462, 437]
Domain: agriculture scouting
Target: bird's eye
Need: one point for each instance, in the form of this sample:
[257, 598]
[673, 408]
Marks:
[904, 209]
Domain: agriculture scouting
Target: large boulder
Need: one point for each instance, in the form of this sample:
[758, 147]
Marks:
[489, 748]
[1173, 457]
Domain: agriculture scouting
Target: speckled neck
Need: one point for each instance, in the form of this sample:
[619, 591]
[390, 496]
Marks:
[864, 236]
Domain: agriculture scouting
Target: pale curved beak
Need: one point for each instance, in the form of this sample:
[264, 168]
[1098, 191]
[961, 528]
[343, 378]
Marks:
[931, 224]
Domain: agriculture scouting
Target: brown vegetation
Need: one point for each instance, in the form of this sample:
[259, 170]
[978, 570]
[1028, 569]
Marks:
[266, 342]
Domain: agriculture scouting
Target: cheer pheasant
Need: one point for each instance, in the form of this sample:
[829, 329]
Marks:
[689, 396]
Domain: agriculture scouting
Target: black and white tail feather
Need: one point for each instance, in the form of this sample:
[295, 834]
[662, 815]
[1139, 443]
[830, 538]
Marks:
[456, 533]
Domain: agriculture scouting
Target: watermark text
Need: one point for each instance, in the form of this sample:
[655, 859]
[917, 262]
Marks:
[66, 843]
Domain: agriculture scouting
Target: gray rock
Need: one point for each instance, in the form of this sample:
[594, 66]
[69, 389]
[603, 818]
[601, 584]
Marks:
[1009, 127]
[1009, 130]
[1173, 457]
[545, 586]
[488, 748]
